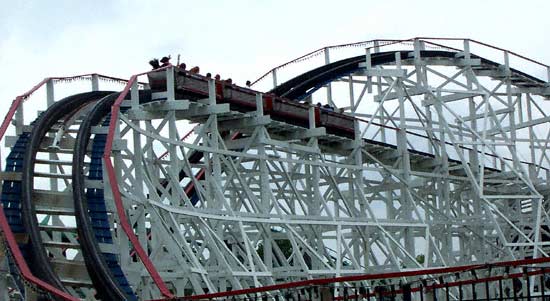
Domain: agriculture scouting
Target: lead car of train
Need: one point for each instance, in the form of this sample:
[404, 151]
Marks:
[244, 100]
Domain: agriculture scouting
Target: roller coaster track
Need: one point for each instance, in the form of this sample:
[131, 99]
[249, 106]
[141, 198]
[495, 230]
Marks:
[62, 240]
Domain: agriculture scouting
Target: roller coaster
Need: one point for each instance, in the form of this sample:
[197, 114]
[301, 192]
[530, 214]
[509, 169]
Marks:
[380, 170]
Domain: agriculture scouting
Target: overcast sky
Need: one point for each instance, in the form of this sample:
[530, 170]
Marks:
[238, 39]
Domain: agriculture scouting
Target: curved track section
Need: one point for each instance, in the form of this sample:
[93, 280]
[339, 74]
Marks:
[307, 83]
[48, 213]
[91, 210]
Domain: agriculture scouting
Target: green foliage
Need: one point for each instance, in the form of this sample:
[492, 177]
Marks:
[284, 244]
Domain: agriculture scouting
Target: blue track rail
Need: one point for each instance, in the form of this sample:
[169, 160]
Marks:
[11, 200]
[97, 210]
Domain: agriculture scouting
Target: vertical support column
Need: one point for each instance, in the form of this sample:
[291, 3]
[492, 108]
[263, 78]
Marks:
[49, 93]
[405, 167]
[512, 113]
[265, 190]
[170, 89]
[422, 82]
[95, 82]
[214, 132]
[213, 167]
[134, 96]
[50, 99]
[376, 46]
[19, 120]
[314, 205]
[358, 191]
[378, 90]
[339, 243]
[417, 64]
[368, 63]
[533, 171]
[329, 85]
[528, 100]
[138, 165]
[351, 93]
[533, 174]
[473, 244]
[445, 197]
[356, 237]
[274, 77]
[116, 151]
[123, 241]
[442, 184]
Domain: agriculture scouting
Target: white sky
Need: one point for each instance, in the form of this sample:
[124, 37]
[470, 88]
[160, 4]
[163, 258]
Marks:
[238, 39]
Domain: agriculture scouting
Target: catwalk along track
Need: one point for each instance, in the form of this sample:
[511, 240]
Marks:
[416, 167]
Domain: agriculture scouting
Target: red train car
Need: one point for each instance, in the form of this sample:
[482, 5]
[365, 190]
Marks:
[242, 99]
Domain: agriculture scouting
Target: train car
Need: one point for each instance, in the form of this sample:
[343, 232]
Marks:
[290, 111]
[336, 123]
[244, 100]
[157, 80]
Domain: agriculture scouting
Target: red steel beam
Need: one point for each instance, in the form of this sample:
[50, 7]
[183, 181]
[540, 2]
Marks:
[326, 281]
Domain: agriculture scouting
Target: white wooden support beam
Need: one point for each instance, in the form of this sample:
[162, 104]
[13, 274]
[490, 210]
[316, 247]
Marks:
[496, 130]
[411, 91]
[244, 122]
[493, 73]
[120, 144]
[300, 134]
[293, 146]
[194, 111]
[329, 85]
[175, 105]
[481, 115]
[134, 95]
[451, 97]
[104, 130]
[368, 66]
[402, 73]
[19, 120]
[376, 46]
[95, 82]
[259, 104]
[170, 84]
[274, 77]
[50, 99]
[236, 144]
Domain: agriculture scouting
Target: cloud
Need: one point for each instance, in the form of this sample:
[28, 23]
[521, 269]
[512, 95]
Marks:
[239, 39]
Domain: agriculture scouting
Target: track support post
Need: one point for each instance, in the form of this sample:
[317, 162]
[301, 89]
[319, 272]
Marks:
[95, 82]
